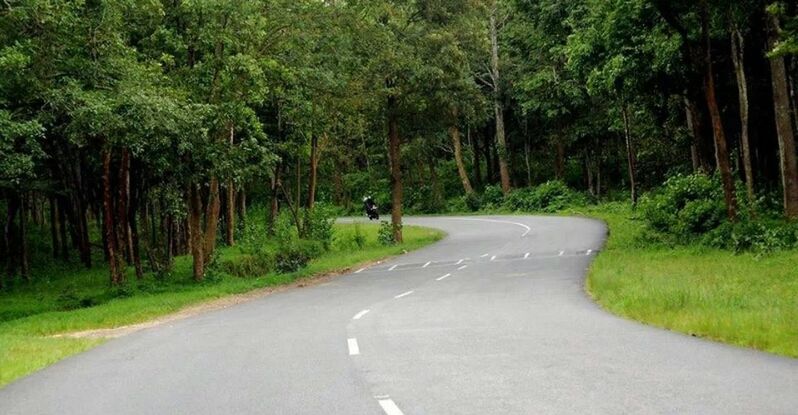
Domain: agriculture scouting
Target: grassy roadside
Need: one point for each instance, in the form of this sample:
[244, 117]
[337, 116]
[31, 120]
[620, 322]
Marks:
[30, 316]
[742, 299]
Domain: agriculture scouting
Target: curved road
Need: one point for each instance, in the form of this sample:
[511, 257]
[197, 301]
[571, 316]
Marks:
[492, 320]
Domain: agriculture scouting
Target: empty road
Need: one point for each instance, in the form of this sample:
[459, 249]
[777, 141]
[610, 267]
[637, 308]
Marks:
[492, 320]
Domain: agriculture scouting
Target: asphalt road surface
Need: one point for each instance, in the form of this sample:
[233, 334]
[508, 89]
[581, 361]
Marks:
[492, 320]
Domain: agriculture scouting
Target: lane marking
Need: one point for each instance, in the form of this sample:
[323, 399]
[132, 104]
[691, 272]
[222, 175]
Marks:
[483, 256]
[526, 255]
[393, 267]
[443, 277]
[589, 251]
[493, 258]
[459, 262]
[390, 407]
[404, 294]
[427, 264]
[360, 270]
[354, 350]
[528, 229]
[360, 314]
[562, 253]
[462, 268]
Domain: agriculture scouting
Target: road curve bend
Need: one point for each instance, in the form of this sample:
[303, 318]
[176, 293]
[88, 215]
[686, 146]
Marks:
[492, 320]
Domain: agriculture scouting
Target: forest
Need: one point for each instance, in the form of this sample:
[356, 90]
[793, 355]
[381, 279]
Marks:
[133, 132]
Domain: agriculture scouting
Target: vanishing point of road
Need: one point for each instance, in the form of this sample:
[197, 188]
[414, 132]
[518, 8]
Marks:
[494, 319]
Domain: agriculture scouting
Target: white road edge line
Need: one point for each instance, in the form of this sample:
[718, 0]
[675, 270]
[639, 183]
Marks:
[528, 229]
[443, 277]
[404, 294]
[393, 267]
[526, 255]
[354, 350]
[360, 270]
[427, 264]
[390, 407]
[462, 268]
[360, 314]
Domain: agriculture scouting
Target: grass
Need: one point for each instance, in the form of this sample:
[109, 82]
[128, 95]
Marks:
[743, 299]
[30, 314]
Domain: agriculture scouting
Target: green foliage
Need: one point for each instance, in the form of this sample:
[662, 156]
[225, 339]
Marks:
[294, 256]
[492, 197]
[319, 223]
[685, 206]
[386, 234]
[549, 197]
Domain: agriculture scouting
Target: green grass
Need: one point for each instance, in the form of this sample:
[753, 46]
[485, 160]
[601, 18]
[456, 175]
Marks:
[742, 299]
[29, 314]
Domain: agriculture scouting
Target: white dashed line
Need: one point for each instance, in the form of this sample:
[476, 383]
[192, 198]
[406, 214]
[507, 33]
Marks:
[360, 314]
[427, 264]
[526, 255]
[589, 251]
[459, 262]
[354, 350]
[562, 253]
[390, 407]
[483, 256]
[393, 267]
[443, 277]
[404, 294]
[493, 258]
[462, 268]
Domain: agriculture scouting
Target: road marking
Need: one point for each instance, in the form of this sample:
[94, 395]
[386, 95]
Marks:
[459, 262]
[483, 256]
[526, 255]
[360, 314]
[443, 277]
[353, 347]
[427, 264]
[393, 267]
[589, 251]
[390, 407]
[404, 294]
[493, 258]
[360, 270]
[562, 253]
[462, 268]
[528, 229]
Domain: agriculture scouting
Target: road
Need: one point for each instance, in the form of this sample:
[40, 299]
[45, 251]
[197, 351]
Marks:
[492, 320]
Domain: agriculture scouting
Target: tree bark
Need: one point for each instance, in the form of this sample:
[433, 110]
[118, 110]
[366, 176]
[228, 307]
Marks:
[195, 232]
[501, 140]
[784, 127]
[394, 153]
[475, 148]
[559, 159]
[738, 59]
[631, 159]
[721, 150]
[454, 133]
[229, 216]
[212, 218]
[117, 277]
[314, 168]
[275, 202]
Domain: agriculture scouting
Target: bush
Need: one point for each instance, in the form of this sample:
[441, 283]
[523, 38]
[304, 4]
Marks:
[753, 235]
[685, 206]
[295, 256]
[319, 224]
[385, 236]
[250, 265]
[492, 196]
[549, 197]
[472, 202]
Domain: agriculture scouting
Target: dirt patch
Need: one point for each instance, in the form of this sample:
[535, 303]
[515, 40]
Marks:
[204, 307]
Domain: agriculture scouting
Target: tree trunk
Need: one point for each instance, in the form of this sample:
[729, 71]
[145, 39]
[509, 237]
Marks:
[631, 159]
[24, 257]
[394, 152]
[195, 232]
[721, 150]
[230, 206]
[62, 228]
[212, 218]
[454, 132]
[559, 159]
[117, 277]
[54, 226]
[275, 205]
[475, 148]
[738, 59]
[501, 140]
[123, 188]
[784, 127]
[314, 168]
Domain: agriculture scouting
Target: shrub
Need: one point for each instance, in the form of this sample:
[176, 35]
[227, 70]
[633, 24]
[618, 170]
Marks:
[753, 235]
[250, 265]
[385, 236]
[472, 202]
[295, 256]
[549, 197]
[358, 237]
[319, 224]
[685, 206]
[492, 196]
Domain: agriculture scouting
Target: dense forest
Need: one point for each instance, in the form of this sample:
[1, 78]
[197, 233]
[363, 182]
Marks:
[135, 131]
